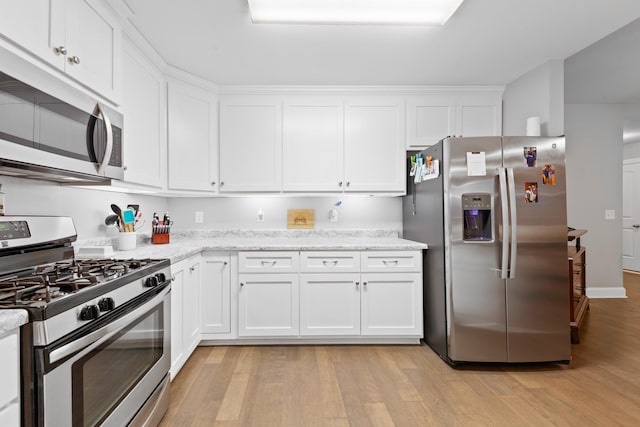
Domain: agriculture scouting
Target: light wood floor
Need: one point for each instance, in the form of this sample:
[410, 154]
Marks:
[411, 386]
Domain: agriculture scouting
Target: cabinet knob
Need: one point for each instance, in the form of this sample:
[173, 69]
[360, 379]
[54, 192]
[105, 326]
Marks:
[60, 50]
[636, 225]
[340, 184]
[213, 183]
[357, 283]
[221, 183]
[364, 283]
[224, 263]
[348, 183]
[192, 268]
[241, 284]
[74, 60]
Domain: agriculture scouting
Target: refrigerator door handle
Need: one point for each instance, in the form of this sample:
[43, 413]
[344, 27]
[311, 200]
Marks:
[514, 223]
[505, 222]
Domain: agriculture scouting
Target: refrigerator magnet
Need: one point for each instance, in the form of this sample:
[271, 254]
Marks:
[549, 175]
[530, 156]
[531, 192]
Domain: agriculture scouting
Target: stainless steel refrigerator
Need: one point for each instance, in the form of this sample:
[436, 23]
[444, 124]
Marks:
[493, 212]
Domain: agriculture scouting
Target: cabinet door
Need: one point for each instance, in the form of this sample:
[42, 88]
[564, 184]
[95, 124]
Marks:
[29, 24]
[250, 143]
[216, 295]
[191, 307]
[192, 137]
[479, 115]
[10, 371]
[268, 305]
[429, 119]
[312, 144]
[95, 40]
[177, 287]
[330, 304]
[391, 304]
[374, 144]
[143, 101]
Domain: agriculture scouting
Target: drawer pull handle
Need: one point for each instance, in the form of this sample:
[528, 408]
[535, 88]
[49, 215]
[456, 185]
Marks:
[390, 262]
[330, 263]
[269, 263]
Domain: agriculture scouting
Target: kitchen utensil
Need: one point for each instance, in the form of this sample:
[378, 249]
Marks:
[128, 218]
[136, 208]
[111, 219]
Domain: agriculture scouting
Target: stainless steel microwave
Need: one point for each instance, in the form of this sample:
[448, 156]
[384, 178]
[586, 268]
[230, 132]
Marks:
[44, 137]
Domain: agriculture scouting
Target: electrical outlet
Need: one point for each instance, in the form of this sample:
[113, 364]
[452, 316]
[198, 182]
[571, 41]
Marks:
[609, 214]
[260, 215]
[333, 215]
[199, 217]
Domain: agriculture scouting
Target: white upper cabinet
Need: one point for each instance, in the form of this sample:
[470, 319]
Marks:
[144, 111]
[312, 139]
[431, 117]
[192, 135]
[250, 143]
[374, 159]
[479, 115]
[79, 37]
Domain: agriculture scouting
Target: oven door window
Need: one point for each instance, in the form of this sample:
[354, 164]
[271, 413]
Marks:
[104, 376]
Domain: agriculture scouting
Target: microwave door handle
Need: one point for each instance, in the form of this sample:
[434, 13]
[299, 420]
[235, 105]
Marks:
[505, 222]
[99, 110]
[514, 223]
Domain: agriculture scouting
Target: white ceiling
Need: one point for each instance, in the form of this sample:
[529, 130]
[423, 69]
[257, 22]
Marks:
[486, 42]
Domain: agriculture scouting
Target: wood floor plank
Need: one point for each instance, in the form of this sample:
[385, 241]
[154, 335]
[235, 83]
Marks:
[386, 385]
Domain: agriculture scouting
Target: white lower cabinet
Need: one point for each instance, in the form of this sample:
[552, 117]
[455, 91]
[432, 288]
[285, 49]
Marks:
[268, 305]
[330, 304]
[216, 295]
[185, 311]
[9, 370]
[391, 304]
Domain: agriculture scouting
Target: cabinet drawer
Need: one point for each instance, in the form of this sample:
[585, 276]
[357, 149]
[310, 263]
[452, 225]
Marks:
[268, 262]
[396, 261]
[329, 262]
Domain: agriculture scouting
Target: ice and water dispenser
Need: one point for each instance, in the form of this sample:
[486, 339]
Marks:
[477, 214]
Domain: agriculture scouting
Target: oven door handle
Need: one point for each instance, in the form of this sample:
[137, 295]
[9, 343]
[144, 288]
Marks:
[105, 332]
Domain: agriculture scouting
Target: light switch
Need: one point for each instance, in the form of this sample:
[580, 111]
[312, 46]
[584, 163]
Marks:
[609, 214]
[199, 217]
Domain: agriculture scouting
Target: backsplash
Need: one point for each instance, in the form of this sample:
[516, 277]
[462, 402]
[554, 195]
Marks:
[88, 207]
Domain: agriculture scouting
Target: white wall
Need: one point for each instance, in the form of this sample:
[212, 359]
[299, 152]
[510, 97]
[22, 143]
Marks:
[87, 207]
[540, 92]
[228, 213]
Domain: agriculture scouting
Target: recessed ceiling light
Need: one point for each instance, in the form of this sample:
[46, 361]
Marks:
[399, 12]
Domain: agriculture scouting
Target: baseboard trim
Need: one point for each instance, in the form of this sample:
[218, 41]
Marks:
[606, 292]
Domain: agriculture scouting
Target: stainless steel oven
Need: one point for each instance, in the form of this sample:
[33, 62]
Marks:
[104, 375]
[96, 350]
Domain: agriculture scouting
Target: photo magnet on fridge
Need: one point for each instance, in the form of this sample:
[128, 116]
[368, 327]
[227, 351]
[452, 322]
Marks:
[549, 175]
[530, 156]
[531, 192]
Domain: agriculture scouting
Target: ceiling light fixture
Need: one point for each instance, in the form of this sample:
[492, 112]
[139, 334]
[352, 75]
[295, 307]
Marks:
[399, 12]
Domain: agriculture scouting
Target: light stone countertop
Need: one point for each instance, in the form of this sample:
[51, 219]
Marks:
[12, 319]
[183, 245]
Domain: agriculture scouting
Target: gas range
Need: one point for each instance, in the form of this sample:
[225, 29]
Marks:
[88, 320]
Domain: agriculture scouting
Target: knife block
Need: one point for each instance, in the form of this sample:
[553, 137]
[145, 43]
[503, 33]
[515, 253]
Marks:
[159, 238]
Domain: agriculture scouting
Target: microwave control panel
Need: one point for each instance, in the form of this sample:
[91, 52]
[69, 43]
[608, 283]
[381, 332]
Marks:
[14, 230]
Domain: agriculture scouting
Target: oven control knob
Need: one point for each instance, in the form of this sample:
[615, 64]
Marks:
[106, 304]
[151, 282]
[161, 277]
[89, 312]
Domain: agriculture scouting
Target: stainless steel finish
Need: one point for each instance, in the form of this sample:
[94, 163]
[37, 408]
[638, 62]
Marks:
[101, 334]
[44, 229]
[154, 409]
[60, 50]
[505, 223]
[473, 314]
[74, 60]
[513, 218]
[56, 327]
[109, 146]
